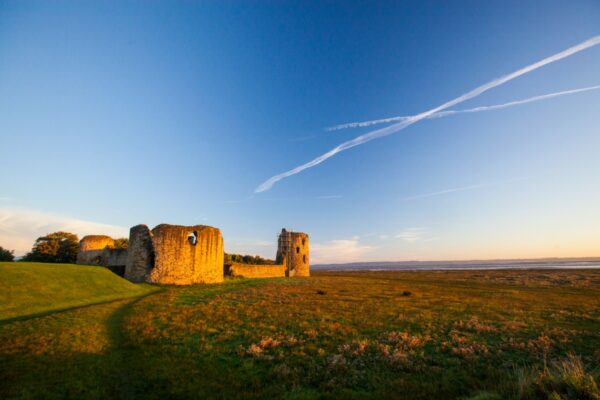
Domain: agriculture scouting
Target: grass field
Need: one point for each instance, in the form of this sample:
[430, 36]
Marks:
[410, 335]
[36, 288]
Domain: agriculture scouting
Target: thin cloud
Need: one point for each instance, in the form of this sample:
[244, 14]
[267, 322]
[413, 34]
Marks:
[464, 188]
[411, 235]
[441, 192]
[321, 197]
[268, 184]
[470, 110]
[19, 228]
[339, 251]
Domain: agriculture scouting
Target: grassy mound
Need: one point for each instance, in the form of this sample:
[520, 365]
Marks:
[36, 288]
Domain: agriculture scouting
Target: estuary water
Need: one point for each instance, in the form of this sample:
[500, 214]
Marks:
[461, 265]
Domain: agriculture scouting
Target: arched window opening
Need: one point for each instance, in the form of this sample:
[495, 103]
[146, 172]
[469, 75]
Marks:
[304, 258]
[303, 242]
[297, 250]
[193, 238]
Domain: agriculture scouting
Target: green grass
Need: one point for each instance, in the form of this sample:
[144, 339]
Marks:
[36, 288]
[356, 335]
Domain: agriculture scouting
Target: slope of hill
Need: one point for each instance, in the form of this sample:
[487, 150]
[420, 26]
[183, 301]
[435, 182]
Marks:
[36, 288]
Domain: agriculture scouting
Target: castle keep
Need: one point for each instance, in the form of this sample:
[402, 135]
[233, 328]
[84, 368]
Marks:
[185, 255]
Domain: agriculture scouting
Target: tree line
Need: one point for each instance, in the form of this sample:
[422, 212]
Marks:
[56, 247]
[246, 259]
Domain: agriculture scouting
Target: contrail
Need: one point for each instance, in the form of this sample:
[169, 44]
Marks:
[416, 118]
[465, 188]
[362, 124]
[438, 193]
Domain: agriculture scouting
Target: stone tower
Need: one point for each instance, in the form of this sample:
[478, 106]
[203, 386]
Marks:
[140, 254]
[175, 255]
[293, 248]
[91, 247]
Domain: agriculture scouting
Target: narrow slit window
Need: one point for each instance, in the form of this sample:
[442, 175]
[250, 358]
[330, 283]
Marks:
[297, 250]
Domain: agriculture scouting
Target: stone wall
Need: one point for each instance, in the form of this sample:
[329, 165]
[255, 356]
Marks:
[114, 259]
[91, 247]
[293, 247]
[140, 254]
[178, 261]
[255, 271]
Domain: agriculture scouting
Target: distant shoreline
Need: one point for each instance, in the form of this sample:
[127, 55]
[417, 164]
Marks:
[525, 264]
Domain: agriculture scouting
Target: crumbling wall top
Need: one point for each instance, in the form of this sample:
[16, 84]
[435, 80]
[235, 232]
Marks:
[95, 242]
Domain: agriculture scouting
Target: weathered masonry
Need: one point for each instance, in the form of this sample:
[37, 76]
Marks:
[186, 255]
[236, 270]
[100, 250]
[293, 247]
[292, 259]
[174, 254]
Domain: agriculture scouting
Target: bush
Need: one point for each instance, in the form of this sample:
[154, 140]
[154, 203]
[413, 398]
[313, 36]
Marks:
[6, 255]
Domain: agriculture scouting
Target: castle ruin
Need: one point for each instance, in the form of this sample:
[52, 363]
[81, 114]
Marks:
[100, 250]
[185, 255]
[175, 255]
[237, 270]
[293, 248]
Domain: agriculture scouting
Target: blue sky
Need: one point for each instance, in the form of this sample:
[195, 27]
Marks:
[119, 113]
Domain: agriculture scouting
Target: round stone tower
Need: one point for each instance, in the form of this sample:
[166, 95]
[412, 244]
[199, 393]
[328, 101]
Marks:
[293, 250]
[90, 249]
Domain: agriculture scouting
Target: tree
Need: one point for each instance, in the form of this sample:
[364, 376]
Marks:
[57, 247]
[6, 255]
[121, 243]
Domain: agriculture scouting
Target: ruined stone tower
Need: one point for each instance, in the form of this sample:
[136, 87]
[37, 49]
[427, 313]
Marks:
[100, 250]
[176, 255]
[294, 248]
[140, 254]
[91, 247]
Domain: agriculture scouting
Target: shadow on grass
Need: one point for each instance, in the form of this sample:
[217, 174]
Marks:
[44, 369]
[60, 310]
[121, 369]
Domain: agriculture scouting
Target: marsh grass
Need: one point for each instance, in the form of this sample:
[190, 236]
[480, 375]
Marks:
[460, 334]
[564, 379]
